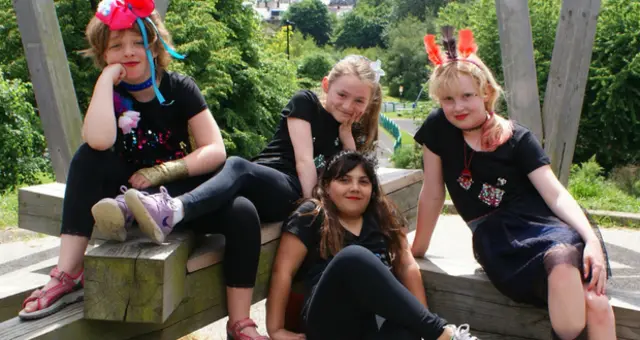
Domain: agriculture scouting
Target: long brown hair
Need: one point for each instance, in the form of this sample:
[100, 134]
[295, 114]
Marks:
[360, 67]
[97, 34]
[389, 219]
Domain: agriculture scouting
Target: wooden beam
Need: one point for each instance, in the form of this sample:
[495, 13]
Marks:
[136, 281]
[161, 7]
[51, 79]
[516, 44]
[567, 80]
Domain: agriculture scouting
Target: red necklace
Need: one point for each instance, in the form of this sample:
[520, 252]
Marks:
[465, 180]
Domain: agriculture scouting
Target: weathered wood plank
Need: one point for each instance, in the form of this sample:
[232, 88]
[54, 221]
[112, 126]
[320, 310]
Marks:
[204, 302]
[51, 79]
[567, 80]
[40, 206]
[136, 281]
[516, 44]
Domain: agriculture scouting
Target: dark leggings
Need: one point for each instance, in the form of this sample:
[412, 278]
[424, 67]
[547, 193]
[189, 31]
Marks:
[354, 288]
[94, 175]
[273, 193]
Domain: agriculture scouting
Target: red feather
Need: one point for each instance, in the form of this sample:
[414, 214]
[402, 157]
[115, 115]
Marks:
[433, 51]
[466, 44]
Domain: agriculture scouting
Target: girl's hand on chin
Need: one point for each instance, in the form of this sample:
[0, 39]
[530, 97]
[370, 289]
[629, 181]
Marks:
[115, 72]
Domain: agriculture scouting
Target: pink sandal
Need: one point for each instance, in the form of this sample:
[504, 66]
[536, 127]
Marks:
[67, 291]
[235, 331]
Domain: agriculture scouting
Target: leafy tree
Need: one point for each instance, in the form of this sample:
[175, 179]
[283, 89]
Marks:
[359, 30]
[610, 121]
[406, 61]
[312, 18]
[22, 146]
[315, 66]
[299, 46]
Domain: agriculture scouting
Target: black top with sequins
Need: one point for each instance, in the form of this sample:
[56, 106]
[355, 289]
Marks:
[498, 178]
[162, 133]
[279, 152]
[306, 227]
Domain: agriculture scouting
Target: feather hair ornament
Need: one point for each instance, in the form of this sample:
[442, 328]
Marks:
[466, 43]
[449, 43]
[433, 50]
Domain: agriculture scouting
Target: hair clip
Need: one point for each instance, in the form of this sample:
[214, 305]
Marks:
[377, 68]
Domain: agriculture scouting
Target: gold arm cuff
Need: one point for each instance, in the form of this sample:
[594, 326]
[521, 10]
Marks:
[165, 172]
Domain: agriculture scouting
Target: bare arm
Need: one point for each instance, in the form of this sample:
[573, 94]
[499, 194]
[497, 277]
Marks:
[567, 209]
[210, 152]
[291, 253]
[561, 202]
[302, 140]
[430, 202]
[408, 272]
[99, 129]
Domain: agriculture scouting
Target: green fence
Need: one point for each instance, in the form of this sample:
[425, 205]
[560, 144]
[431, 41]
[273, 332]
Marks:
[393, 129]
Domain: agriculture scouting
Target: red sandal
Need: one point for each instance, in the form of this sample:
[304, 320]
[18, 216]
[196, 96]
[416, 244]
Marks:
[235, 332]
[67, 291]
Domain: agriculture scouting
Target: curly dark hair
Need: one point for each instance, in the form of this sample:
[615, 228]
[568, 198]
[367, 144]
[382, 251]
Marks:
[391, 221]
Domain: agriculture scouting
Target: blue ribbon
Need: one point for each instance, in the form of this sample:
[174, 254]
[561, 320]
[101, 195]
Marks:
[171, 51]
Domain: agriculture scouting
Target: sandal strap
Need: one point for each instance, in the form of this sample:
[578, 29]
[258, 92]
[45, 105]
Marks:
[67, 279]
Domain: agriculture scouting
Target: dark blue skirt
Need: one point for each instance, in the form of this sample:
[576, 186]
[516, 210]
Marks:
[510, 247]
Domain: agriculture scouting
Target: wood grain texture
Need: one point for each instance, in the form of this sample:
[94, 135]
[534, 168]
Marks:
[568, 77]
[518, 64]
[136, 281]
[51, 79]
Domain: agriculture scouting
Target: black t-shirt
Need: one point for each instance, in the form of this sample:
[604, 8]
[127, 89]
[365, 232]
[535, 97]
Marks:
[306, 226]
[162, 134]
[499, 177]
[279, 152]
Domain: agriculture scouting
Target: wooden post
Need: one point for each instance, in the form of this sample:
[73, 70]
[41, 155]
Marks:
[51, 79]
[567, 80]
[519, 67]
[161, 7]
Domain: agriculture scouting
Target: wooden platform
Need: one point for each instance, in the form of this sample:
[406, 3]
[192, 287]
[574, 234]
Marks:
[458, 290]
[203, 298]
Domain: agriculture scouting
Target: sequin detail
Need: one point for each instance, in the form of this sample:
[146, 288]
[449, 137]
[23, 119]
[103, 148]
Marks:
[491, 195]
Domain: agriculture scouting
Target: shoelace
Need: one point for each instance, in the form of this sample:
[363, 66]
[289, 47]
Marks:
[168, 199]
[462, 333]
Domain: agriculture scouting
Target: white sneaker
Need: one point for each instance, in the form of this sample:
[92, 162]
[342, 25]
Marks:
[461, 332]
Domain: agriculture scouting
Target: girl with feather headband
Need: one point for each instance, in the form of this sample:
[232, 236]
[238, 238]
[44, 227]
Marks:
[532, 239]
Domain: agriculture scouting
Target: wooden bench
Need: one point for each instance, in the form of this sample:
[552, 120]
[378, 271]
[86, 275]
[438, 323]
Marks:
[159, 292]
[458, 290]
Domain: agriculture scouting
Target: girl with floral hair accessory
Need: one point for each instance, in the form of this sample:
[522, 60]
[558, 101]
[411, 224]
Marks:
[135, 137]
[530, 236]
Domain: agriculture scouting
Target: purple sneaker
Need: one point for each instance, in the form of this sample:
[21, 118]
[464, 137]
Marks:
[113, 217]
[154, 213]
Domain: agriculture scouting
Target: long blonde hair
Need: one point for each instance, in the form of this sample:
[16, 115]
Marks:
[367, 128]
[445, 78]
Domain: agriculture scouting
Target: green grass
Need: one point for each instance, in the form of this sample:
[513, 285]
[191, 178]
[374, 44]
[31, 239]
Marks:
[9, 203]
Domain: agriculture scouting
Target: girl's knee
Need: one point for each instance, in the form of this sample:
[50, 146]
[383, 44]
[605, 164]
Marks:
[353, 253]
[86, 155]
[598, 306]
[236, 162]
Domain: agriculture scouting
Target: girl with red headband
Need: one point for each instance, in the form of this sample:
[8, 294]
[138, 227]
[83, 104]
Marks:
[145, 127]
[530, 236]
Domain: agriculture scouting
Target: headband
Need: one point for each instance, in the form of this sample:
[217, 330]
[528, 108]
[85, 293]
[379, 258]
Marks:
[122, 14]
[466, 46]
